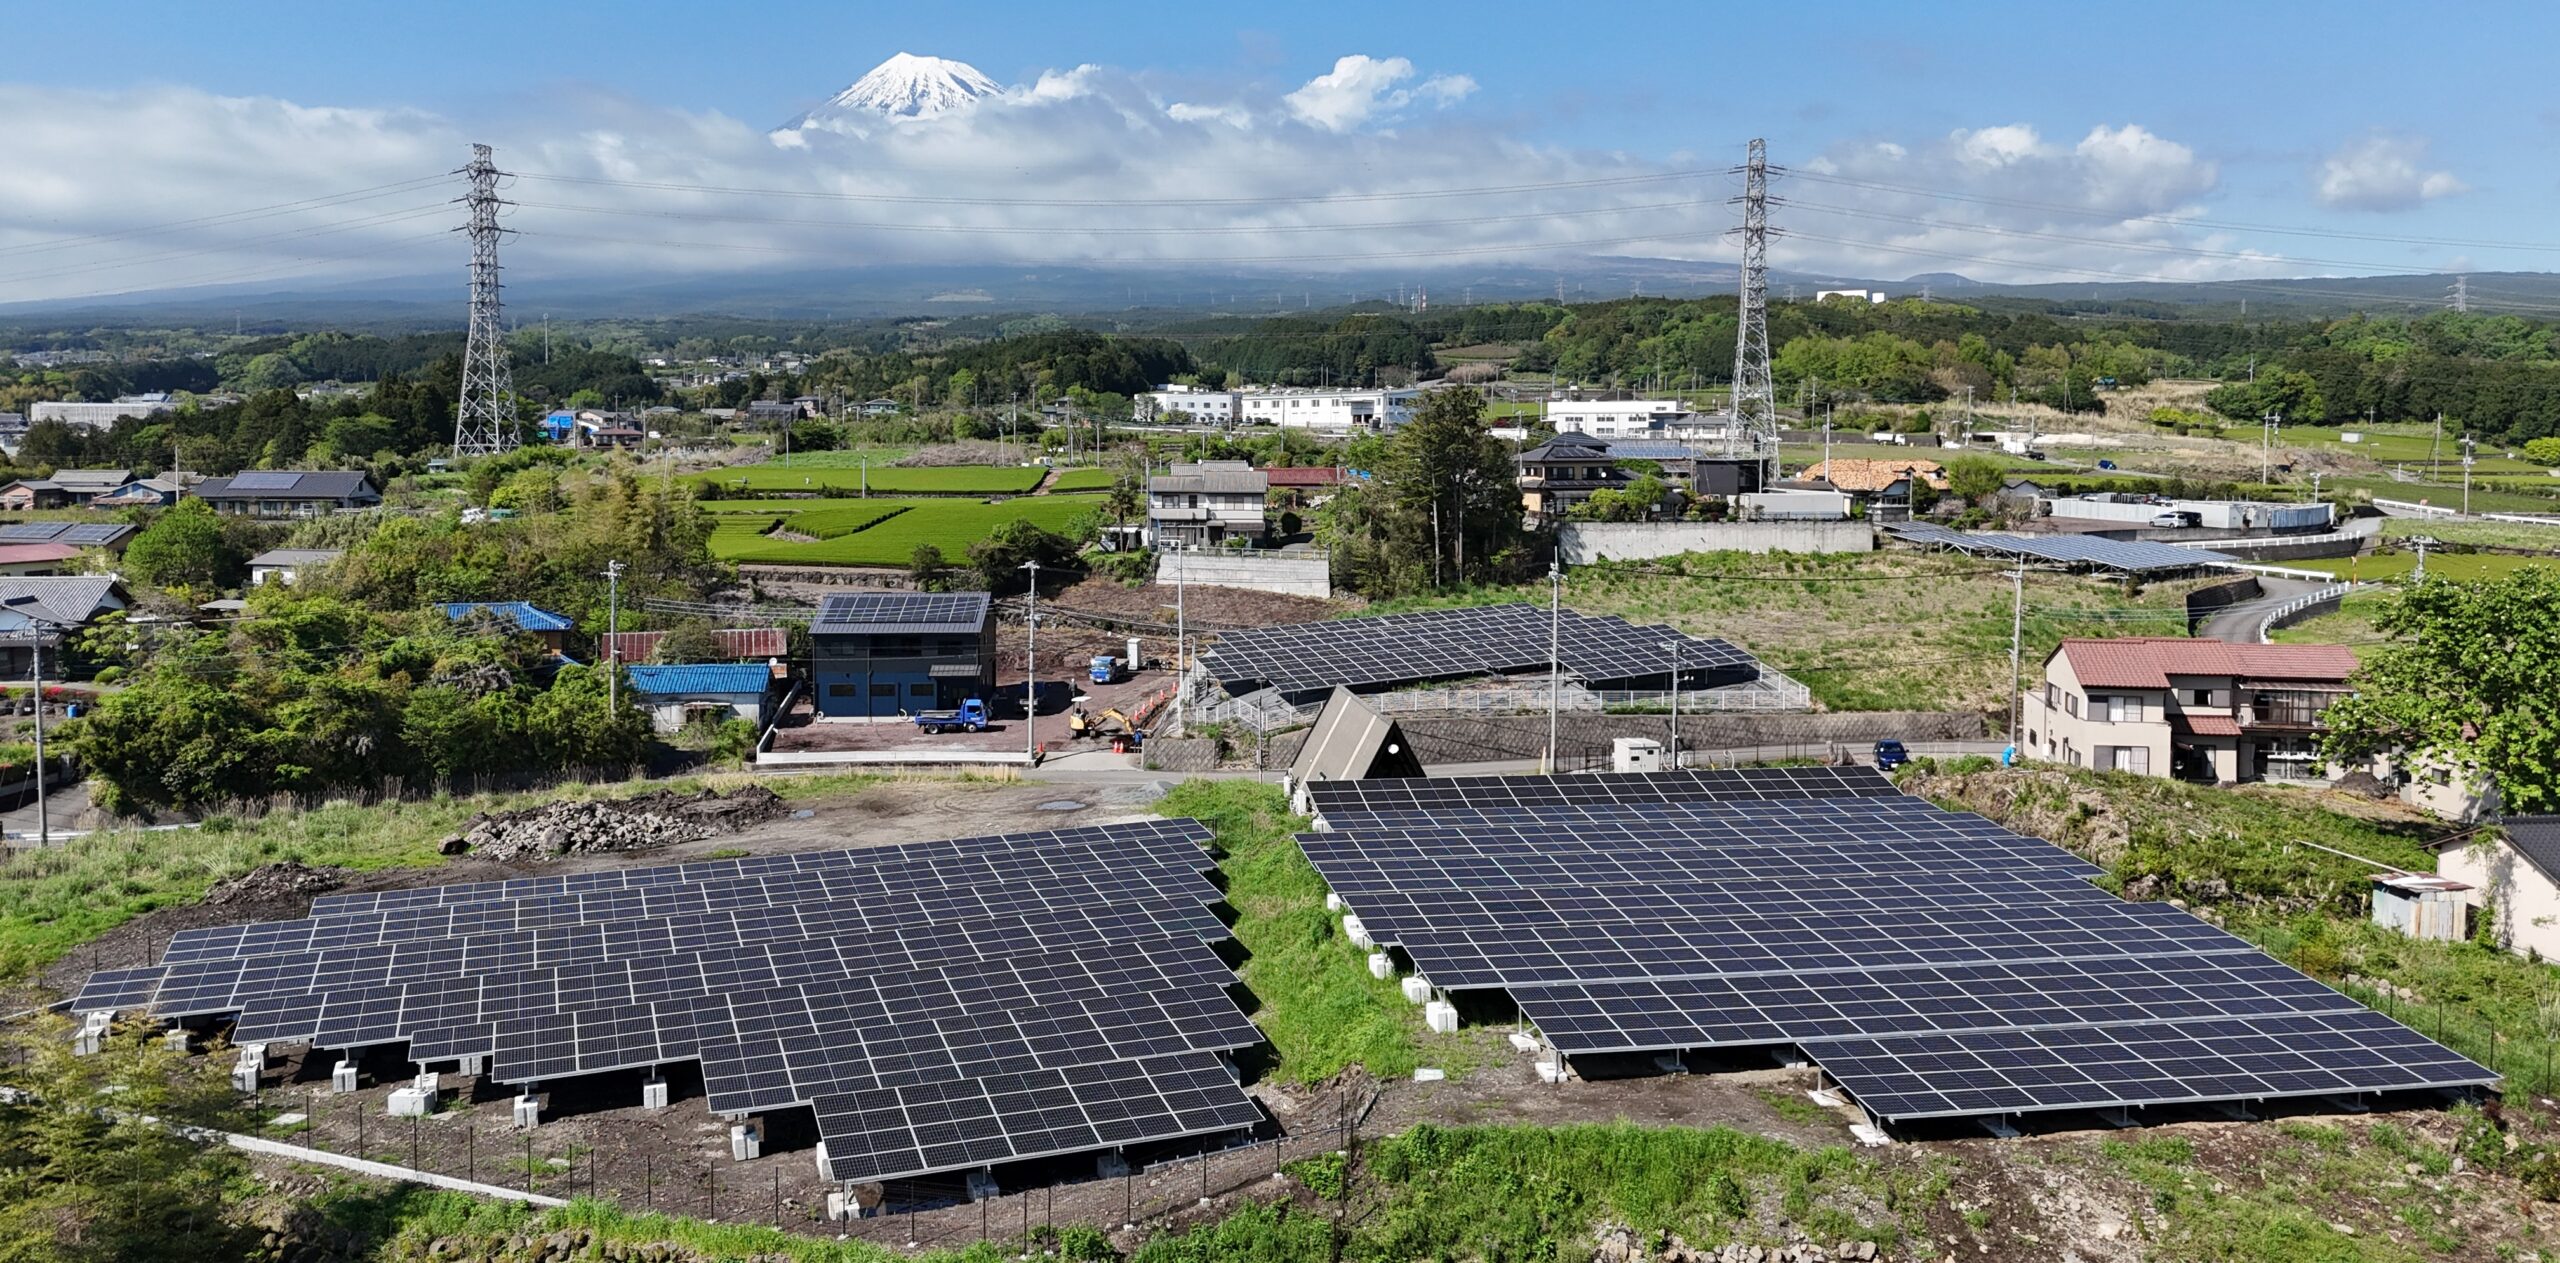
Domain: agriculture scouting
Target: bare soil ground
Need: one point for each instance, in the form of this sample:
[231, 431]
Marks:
[1204, 608]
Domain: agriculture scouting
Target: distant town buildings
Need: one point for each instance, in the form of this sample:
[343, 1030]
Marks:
[99, 416]
[1621, 418]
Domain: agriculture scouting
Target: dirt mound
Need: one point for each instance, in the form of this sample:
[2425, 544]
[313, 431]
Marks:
[291, 879]
[644, 822]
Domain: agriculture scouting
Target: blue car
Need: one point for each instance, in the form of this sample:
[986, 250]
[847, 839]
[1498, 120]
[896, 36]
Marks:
[1890, 755]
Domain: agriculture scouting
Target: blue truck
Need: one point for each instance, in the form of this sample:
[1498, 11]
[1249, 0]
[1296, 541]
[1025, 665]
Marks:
[970, 717]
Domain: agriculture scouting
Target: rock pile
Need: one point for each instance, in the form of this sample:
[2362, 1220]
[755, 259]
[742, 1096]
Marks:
[291, 879]
[657, 818]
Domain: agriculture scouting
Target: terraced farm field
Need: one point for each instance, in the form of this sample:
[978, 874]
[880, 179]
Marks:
[1079, 480]
[951, 480]
[882, 532]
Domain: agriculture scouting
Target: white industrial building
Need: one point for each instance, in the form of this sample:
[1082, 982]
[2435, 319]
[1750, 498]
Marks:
[2221, 515]
[1209, 407]
[99, 416]
[1621, 418]
[1383, 409]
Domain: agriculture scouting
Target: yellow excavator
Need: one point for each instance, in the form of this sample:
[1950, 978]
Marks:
[1110, 723]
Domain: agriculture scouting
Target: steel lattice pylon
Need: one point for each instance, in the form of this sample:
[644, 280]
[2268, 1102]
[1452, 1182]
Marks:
[1754, 426]
[485, 423]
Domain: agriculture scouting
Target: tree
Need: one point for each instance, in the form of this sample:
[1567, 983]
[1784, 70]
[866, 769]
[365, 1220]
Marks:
[2469, 681]
[93, 1164]
[1448, 497]
[2543, 451]
[926, 567]
[1974, 478]
[999, 557]
[692, 640]
[185, 548]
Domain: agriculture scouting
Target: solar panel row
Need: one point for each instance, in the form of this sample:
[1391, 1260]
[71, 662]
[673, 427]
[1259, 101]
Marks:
[1344, 804]
[865, 975]
[2136, 556]
[1015, 1116]
[1932, 962]
[1308, 658]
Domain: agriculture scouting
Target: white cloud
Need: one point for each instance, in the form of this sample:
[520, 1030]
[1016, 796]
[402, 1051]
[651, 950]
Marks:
[1083, 167]
[1360, 87]
[2383, 173]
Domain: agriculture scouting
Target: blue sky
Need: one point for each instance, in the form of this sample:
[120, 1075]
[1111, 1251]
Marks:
[2433, 136]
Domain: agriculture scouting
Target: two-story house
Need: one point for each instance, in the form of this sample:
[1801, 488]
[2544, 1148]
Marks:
[2202, 710]
[1207, 503]
[1564, 471]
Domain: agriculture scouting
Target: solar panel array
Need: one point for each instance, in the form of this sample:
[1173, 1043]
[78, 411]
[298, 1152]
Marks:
[910, 610]
[78, 533]
[1072, 965]
[1390, 649]
[1932, 962]
[266, 480]
[2133, 556]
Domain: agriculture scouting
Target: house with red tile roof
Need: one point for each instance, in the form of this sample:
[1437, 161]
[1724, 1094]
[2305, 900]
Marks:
[2203, 710]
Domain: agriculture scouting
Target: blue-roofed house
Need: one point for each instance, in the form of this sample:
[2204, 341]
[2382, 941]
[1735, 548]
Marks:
[523, 616]
[717, 691]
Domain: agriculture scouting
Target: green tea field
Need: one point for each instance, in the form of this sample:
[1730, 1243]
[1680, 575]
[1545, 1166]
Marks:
[928, 480]
[880, 532]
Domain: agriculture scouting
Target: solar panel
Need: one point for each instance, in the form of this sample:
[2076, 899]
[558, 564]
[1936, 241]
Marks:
[930, 969]
[266, 480]
[32, 532]
[2136, 556]
[1933, 961]
[1015, 1116]
[95, 532]
[1304, 658]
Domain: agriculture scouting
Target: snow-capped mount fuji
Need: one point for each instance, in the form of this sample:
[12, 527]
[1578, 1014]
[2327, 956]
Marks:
[905, 86]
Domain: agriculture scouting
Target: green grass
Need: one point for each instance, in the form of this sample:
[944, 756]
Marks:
[891, 537]
[1079, 480]
[2515, 535]
[2485, 498]
[2393, 566]
[1316, 1001]
[975, 480]
[2351, 625]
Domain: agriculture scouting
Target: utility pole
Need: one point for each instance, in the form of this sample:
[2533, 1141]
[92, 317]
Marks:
[1755, 407]
[1555, 656]
[612, 634]
[2017, 638]
[484, 423]
[2267, 448]
[2467, 447]
[1674, 647]
[1031, 664]
[2435, 445]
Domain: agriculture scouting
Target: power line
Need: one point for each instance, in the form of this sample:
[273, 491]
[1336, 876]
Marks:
[1281, 200]
[227, 217]
[1121, 230]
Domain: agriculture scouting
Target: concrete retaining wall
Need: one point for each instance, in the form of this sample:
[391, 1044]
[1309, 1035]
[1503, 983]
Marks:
[1581, 543]
[2278, 549]
[2204, 603]
[1287, 574]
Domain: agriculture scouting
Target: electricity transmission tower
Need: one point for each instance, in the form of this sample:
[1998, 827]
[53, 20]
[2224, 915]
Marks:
[1755, 409]
[2461, 291]
[485, 424]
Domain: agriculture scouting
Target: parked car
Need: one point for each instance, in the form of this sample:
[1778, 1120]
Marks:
[1890, 755]
[2178, 518]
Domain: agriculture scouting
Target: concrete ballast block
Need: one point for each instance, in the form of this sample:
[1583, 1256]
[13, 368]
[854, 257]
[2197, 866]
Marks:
[1357, 933]
[653, 1095]
[410, 1103]
[1441, 1016]
[1381, 965]
[177, 1037]
[528, 1111]
[746, 1142]
[342, 1079]
[1417, 989]
[1332, 902]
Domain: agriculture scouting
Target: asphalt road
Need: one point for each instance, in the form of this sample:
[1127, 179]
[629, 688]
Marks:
[2238, 624]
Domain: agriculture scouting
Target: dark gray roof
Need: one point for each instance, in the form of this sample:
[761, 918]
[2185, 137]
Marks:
[321, 484]
[1568, 446]
[900, 613]
[297, 556]
[67, 599]
[2537, 839]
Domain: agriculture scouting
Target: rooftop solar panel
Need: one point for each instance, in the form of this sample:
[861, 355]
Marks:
[32, 532]
[266, 480]
[1934, 962]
